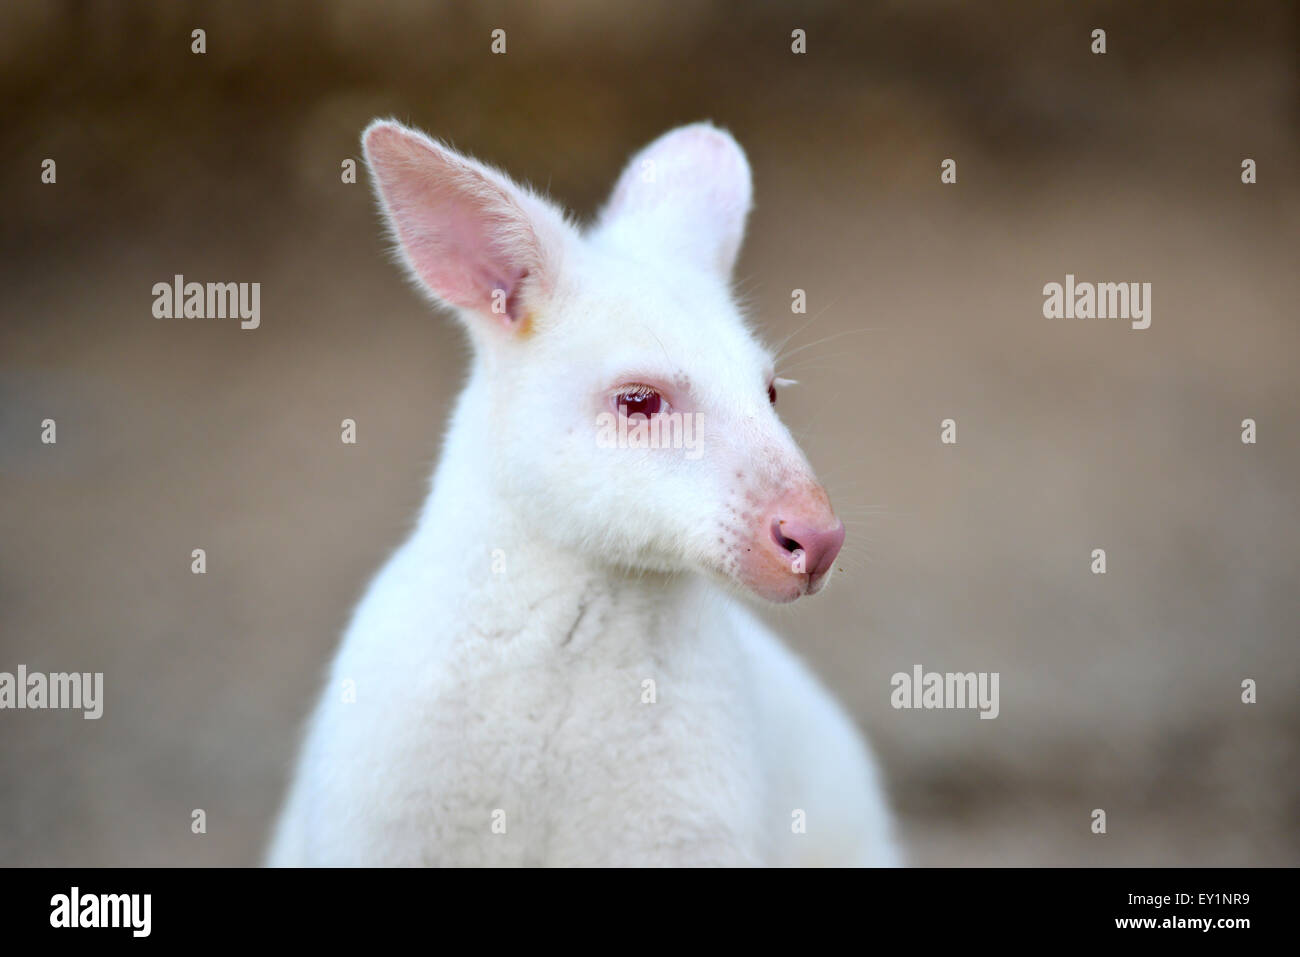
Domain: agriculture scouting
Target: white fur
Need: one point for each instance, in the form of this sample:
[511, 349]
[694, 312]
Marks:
[515, 693]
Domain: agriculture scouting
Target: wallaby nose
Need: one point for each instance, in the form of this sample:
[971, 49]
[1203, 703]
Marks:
[819, 545]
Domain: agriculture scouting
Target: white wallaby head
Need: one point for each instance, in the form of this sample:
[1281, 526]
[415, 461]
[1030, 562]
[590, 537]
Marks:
[631, 408]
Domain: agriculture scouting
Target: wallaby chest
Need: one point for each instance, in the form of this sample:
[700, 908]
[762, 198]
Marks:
[594, 737]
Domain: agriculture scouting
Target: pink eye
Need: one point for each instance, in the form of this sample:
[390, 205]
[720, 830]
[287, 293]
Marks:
[640, 400]
[771, 393]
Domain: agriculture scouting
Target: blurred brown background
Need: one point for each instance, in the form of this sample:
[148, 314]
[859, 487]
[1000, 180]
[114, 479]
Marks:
[1119, 691]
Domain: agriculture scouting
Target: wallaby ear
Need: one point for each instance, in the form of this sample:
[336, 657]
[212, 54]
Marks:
[473, 238]
[689, 192]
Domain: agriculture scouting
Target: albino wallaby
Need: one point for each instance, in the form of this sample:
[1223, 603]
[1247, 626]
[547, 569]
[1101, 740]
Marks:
[552, 671]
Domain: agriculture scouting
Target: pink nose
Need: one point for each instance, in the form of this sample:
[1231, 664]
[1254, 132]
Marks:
[819, 546]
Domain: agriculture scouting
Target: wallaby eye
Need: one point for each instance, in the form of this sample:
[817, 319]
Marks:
[771, 392]
[639, 400]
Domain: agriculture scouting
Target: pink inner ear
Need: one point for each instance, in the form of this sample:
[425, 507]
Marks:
[463, 234]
